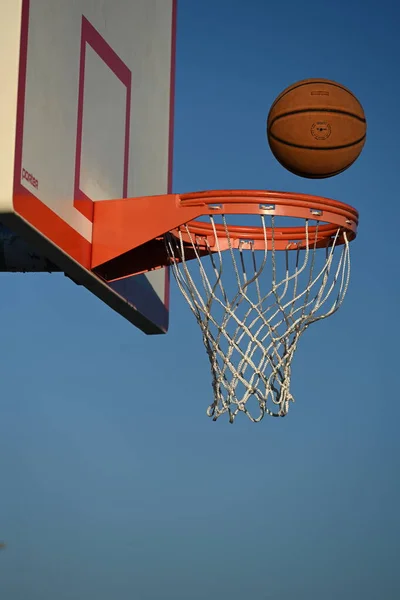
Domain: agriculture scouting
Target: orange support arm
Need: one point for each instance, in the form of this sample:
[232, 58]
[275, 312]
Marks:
[127, 233]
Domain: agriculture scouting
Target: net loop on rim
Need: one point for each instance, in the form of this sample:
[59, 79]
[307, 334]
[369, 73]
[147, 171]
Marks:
[254, 298]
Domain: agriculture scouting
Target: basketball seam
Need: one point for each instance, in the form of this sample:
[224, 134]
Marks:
[317, 148]
[317, 110]
[324, 176]
[309, 175]
[317, 82]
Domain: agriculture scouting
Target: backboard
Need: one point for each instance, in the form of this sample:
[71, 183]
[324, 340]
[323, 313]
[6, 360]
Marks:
[86, 114]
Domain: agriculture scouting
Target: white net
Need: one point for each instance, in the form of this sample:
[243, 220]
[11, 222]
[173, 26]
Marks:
[252, 307]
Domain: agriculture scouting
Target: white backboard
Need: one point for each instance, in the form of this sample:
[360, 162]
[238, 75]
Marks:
[86, 115]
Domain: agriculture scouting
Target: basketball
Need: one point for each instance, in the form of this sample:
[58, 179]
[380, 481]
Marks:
[316, 128]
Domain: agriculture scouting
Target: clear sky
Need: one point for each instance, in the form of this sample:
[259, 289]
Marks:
[114, 483]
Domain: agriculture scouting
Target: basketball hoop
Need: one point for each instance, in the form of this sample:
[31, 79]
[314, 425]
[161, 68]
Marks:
[253, 289]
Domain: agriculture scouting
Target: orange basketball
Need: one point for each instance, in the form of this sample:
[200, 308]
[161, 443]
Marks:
[316, 128]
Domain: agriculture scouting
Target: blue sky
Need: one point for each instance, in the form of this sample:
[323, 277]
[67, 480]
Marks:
[114, 483]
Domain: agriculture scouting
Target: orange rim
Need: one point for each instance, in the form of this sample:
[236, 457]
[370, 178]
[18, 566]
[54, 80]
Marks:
[340, 220]
[129, 233]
